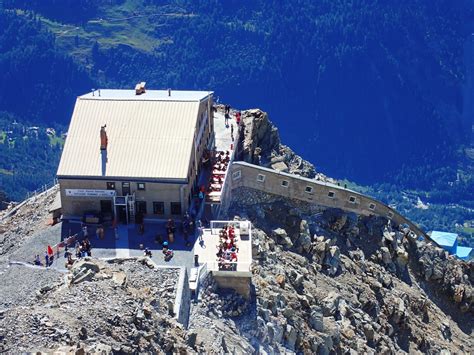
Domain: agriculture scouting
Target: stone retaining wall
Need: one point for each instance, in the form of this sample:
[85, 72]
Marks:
[243, 174]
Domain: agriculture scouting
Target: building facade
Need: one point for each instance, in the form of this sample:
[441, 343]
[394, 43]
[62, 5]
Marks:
[130, 154]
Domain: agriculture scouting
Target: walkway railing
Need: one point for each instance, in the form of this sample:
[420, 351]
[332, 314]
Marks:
[43, 188]
[32, 196]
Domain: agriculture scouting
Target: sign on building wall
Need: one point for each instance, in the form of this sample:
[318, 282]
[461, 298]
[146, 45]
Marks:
[89, 193]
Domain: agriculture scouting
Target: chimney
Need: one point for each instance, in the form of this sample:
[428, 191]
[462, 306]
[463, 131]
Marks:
[169, 92]
[103, 138]
[140, 88]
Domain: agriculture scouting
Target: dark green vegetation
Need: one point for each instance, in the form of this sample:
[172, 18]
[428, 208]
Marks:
[28, 156]
[369, 90]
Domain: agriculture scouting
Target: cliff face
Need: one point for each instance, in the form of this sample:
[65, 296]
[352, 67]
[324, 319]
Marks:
[333, 281]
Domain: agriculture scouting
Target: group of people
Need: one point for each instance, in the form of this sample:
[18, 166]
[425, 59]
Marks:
[227, 114]
[220, 165]
[227, 249]
[48, 258]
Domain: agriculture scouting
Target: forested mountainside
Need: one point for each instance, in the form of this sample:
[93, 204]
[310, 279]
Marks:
[369, 90]
[376, 85]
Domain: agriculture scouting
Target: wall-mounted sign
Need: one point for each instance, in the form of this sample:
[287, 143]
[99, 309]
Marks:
[89, 193]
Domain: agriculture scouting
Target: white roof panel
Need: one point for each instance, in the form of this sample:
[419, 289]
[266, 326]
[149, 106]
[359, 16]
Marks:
[148, 139]
[153, 95]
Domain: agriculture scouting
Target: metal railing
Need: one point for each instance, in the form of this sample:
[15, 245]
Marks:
[42, 189]
[32, 196]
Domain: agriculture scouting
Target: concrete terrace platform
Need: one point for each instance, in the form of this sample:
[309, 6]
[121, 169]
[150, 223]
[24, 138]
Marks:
[209, 246]
[127, 242]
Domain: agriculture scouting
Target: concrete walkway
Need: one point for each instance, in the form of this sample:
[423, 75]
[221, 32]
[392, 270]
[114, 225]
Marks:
[122, 248]
[222, 132]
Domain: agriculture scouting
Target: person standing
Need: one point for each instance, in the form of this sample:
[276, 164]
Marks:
[200, 230]
[46, 259]
[85, 231]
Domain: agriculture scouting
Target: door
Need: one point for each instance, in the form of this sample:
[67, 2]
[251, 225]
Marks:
[125, 188]
[141, 207]
[106, 207]
[122, 214]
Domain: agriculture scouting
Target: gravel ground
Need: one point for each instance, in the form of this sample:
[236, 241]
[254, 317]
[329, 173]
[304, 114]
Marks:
[20, 283]
[27, 221]
[37, 244]
[124, 307]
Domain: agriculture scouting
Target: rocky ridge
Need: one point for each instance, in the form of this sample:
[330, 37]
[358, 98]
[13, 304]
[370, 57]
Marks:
[261, 145]
[325, 281]
[336, 282]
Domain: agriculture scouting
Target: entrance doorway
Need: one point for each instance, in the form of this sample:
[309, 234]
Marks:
[125, 188]
[106, 207]
[141, 207]
[141, 211]
[122, 214]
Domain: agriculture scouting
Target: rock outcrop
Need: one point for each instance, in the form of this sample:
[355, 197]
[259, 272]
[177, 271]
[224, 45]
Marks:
[361, 284]
[262, 146]
[121, 306]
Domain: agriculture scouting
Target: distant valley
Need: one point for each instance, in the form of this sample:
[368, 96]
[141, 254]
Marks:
[378, 94]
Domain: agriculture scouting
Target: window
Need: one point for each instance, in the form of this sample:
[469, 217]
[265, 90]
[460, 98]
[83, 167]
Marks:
[175, 208]
[125, 188]
[158, 207]
[260, 178]
[308, 189]
[236, 175]
[140, 185]
[390, 215]
[372, 206]
[285, 183]
[331, 194]
[352, 199]
[110, 185]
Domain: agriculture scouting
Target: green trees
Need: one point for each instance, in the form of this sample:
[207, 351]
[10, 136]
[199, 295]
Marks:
[39, 83]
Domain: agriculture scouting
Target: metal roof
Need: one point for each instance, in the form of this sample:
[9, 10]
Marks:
[153, 95]
[147, 139]
[463, 252]
[444, 238]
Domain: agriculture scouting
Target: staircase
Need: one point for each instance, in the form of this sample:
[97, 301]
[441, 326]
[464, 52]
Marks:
[131, 207]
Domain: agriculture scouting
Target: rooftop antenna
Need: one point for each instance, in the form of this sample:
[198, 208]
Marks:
[99, 92]
[93, 91]
[169, 92]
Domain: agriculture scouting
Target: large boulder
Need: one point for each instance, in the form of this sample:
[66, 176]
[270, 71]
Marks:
[304, 238]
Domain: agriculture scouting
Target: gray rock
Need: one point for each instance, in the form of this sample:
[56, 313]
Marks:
[290, 336]
[316, 319]
[191, 339]
[386, 257]
[330, 303]
[87, 264]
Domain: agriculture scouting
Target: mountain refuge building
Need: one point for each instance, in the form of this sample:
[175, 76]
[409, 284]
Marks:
[134, 152]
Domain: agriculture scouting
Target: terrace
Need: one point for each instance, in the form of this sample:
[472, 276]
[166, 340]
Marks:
[224, 254]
